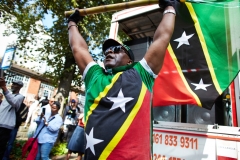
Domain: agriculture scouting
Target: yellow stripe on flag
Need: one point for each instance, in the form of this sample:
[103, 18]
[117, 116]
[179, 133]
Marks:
[174, 58]
[101, 95]
[204, 47]
[116, 139]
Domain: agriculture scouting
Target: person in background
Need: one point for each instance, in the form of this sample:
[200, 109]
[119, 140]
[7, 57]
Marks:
[32, 107]
[33, 125]
[8, 108]
[51, 123]
[47, 107]
[43, 102]
[118, 123]
[70, 117]
[76, 143]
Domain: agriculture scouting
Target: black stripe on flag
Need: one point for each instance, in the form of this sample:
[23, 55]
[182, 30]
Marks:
[191, 57]
[106, 122]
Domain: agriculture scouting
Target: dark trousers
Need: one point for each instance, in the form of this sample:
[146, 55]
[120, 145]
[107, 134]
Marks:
[11, 140]
[4, 137]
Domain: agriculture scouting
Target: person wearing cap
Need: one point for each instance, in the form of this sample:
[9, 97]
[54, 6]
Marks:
[8, 108]
[70, 117]
[48, 127]
[117, 106]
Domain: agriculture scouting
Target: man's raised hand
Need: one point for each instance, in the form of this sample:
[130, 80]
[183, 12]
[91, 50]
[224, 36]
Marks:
[75, 17]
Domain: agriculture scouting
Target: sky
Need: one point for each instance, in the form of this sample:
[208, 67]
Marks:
[4, 41]
[48, 21]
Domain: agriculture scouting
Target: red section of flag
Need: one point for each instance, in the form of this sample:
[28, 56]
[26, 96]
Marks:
[133, 143]
[234, 107]
[169, 88]
[225, 158]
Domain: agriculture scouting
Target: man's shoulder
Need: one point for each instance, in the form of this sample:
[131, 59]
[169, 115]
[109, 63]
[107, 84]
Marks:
[19, 95]
[90, 66]
[22, 96]
[92, 69]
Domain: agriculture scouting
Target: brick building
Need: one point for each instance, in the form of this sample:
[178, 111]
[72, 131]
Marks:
[36, 84]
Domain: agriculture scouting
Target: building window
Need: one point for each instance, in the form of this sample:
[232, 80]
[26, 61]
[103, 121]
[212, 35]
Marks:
[46, 90]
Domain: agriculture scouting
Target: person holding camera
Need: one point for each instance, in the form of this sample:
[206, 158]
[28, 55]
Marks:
[48, 127]
[8, 108]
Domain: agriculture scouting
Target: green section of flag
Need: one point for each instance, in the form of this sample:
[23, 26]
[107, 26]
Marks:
[214, 2]
[219, 23]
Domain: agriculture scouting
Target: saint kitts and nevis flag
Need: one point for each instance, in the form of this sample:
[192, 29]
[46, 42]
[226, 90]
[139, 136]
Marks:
[203, 54]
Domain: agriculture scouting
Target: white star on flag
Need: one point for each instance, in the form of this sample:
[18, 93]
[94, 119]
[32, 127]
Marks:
[183, 40]
[92, 141]
[119, 101]
[201, 85]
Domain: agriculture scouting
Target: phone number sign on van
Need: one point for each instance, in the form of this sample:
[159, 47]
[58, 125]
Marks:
[175, 146]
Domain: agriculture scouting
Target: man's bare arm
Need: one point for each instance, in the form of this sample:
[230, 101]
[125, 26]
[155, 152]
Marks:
[156, 52]
[78, 45]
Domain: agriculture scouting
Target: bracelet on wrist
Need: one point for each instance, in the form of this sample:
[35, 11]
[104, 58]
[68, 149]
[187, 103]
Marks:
[71, 26]
[169, 11]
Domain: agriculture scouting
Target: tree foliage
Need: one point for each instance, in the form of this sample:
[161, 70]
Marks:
[23, 18]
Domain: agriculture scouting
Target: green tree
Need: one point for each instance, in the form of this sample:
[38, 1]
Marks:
[23, 17]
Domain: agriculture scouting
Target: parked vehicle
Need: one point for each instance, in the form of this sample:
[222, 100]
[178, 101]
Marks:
[183, 132]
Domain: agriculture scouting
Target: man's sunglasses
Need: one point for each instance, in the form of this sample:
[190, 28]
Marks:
[115, 49]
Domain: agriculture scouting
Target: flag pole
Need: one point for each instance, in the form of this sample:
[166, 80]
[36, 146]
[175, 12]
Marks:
[126, 5]
[112, 7]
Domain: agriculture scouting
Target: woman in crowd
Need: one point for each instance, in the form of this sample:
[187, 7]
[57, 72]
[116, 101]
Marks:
[48, 128]
[76, 143]
[33, 125]
[70, 117]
